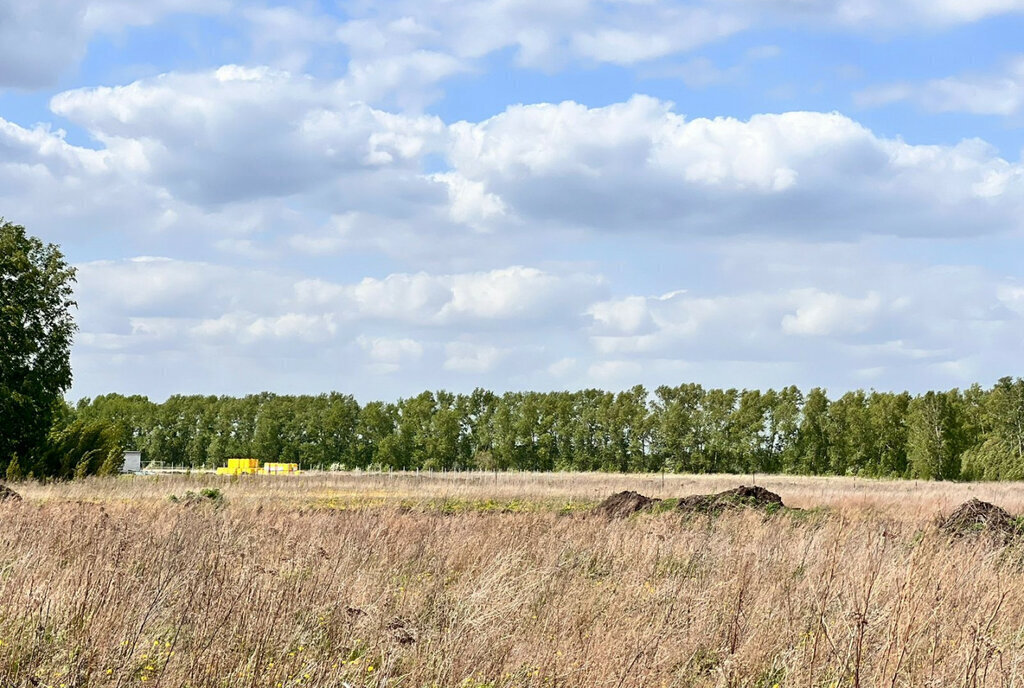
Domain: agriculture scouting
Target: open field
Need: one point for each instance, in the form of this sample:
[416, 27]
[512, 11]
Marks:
[477, 580]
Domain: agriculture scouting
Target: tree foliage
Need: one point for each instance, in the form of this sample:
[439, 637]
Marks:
[971, 434]
[36, 329]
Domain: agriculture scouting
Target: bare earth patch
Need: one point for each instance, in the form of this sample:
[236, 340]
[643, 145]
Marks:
[976, 517]
[742, 497]
[624, 504]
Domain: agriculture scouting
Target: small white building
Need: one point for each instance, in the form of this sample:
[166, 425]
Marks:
[132, 462]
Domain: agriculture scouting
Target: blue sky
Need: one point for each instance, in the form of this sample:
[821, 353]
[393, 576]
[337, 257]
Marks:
[380, 198]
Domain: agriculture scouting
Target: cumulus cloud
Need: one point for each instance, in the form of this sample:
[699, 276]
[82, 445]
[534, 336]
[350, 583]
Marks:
[821, 313]
[388, 354]
[905, 322]
[243, 151]
[238, 133]
[471, 323]
[893, 322]
[222, 303]
[39, 41]
[508, 294]
[255, 159]
[638, 165]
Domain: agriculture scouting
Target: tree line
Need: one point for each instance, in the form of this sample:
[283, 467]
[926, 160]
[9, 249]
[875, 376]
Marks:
[972, 434]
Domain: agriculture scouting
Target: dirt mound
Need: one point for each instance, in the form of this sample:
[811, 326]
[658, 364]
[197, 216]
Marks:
[7, 493]
[738, 498]
[976, 517]
[623, 504]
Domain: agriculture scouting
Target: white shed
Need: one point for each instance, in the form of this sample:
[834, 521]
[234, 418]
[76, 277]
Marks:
[132, 462]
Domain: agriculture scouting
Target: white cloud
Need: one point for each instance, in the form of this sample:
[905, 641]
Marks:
[469, 202]
[629, 315]
[417, 44]
[654, 31]
[614, 373]
[820, 313]
[466, 357]
[888, 15]
[286, 34]
[979, 94]
[240, 152]
[238, 133]
[908, 324]
[639, 165]
[546, 35]
[222, 304]
[508, 294]
[39, 41]
[562, 367]
[903, 324]
[389, 354]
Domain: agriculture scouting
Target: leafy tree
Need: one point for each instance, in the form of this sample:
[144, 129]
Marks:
[934, 436]
[83, 448]
[782, 427]
[36, 329]
[812, 454]
[676, 430]
[749, 431]
[268, 440]
[996, 422]
[977, 434]
[377, 424]
[887, 417]
[851, 440]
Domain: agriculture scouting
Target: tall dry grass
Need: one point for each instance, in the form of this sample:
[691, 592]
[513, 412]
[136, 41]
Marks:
[366, 580]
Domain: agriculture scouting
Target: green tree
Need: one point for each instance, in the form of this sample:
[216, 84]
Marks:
[36, 329]
[935, 438]
[887, 414]
[268, 441]
[675, 430]
[375, 433]
[851, 440]
[812, 455]
[782, 427]
[81, 449]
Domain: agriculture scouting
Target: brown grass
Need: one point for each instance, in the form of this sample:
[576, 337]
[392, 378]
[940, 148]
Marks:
[464, 580]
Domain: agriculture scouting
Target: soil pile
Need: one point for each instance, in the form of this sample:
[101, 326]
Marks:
[742, 497]
[624, 504]
[7, 493]
[980, 518]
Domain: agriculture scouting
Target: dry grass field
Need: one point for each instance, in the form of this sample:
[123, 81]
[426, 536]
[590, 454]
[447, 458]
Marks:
[476, 580]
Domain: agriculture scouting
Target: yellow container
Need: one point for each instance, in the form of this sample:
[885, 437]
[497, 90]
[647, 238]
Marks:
[277, 468]
[240, 466]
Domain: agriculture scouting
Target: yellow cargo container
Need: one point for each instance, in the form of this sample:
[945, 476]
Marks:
[240, 467]
[252, 466]
[278, 468]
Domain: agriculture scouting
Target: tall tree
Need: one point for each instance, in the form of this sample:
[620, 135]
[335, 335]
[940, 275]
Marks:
[812, 455]
[36, 329]
[935, 437]
[888, 420]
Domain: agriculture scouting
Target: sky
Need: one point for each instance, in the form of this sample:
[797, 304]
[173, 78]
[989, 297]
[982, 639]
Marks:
[379, 198]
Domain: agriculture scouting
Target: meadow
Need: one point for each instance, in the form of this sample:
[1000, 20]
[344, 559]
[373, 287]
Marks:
[478, 579]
